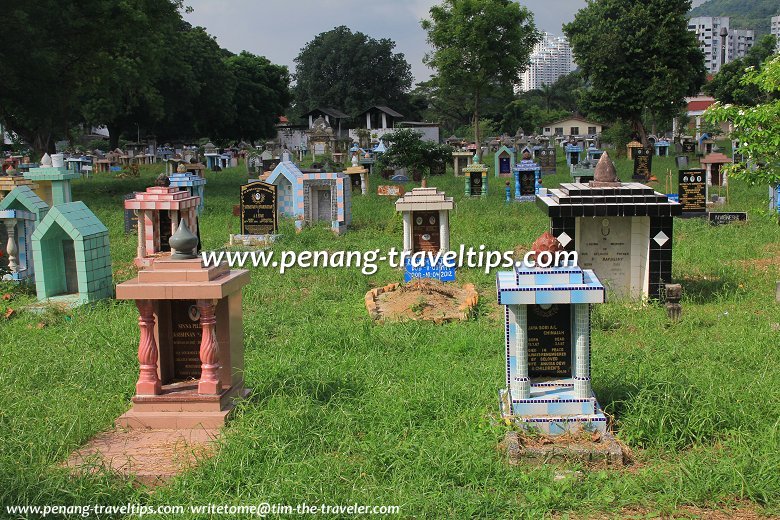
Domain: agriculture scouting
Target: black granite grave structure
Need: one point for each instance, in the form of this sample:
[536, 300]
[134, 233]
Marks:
[637, 257]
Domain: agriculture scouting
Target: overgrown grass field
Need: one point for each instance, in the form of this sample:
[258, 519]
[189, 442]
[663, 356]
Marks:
[346, 411]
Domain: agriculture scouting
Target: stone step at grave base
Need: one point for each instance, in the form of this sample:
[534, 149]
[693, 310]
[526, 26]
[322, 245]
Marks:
[150, 456]
[181, 407]
[554, 398]
[264, 241]
[173, 420]
[565, 424]
[553, 418]
[554, 407]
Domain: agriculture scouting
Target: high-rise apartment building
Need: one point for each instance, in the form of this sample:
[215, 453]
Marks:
[774, 28]
[708, 33]
[550, 59]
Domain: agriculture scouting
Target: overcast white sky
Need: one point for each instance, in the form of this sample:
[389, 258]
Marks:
[278, 29]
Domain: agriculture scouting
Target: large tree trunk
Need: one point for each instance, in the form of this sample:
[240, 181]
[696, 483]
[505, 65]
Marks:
[476, 125]
[39, 140]
[42, 143]
[639, 128]
[113, 137]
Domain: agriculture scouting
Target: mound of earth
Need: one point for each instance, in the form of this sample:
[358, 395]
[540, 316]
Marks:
[423, 299]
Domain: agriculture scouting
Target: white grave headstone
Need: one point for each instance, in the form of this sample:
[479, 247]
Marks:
[610, 246]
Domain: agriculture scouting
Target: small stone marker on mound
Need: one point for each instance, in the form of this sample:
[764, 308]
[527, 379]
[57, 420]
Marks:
[422, 299]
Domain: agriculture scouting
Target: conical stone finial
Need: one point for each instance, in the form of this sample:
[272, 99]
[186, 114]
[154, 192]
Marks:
[605, 174]
[46, 161]
[183, 242]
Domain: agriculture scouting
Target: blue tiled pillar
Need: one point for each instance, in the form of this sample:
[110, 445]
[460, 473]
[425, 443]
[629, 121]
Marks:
[523, 383]
[582, 351]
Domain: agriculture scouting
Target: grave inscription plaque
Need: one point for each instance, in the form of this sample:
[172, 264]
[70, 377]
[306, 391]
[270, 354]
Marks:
[718, 218]
[258, 209]
[527, 183]
[643, 161]
[476, 183]
[606, 248]
[549, 340]
[547, 160]
[693, 192]
[185, 340]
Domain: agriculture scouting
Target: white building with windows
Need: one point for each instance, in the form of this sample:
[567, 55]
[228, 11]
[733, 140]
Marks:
[550, 59]
[708, 28]
[774, 28]
[573, 126]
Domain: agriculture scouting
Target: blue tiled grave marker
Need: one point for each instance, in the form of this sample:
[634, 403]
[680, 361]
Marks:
[573, 154]
[547, 346]
[527, 180]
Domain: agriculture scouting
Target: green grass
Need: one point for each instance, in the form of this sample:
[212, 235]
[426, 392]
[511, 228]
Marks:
[346, 411]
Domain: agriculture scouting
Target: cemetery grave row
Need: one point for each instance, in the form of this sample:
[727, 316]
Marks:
[191, 346]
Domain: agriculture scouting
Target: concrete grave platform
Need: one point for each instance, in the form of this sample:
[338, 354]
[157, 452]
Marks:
[599, 449]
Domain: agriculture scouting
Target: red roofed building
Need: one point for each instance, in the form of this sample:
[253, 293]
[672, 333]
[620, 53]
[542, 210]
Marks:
[697, 105]
[695, 109]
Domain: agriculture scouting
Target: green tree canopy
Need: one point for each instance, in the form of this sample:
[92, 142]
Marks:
[122, 93]
[350, 71]
[55, 50]
[444, 104]
[151, 73]
[478, 43]
[262, 94]
[727, 85]
[637, 57]
[757, 128]
[532, 109]
[406, 149]
[529, 116]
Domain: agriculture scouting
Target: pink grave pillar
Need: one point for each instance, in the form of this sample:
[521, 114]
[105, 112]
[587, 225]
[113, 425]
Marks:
[209, 349]
[142, 225]
[174, 221]
[192, 222]
[150, 203]
[191, 350]
[148, 380]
